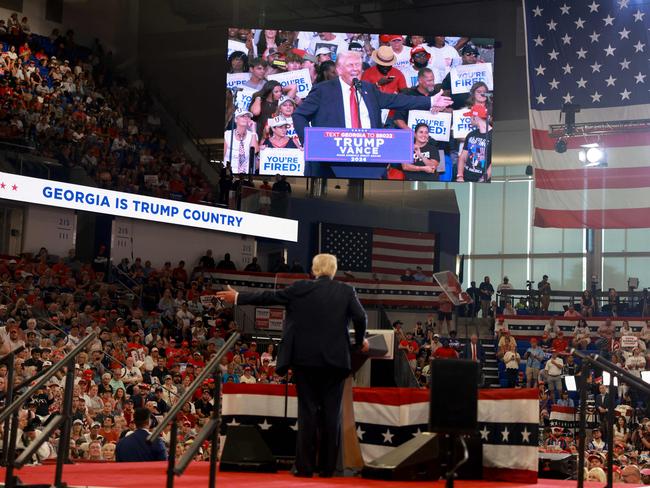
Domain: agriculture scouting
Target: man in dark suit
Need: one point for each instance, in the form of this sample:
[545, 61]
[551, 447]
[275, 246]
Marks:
[316, 345]
[329, 103]
[135, 448]
[473, 351]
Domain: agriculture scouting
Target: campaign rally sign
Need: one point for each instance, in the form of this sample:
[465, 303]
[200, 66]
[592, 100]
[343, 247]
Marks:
[464, 76]
[461, 125]
[381, 146]
[269, 318]
[237, 79]
[89, 199]
[290, 162]
[244, 98]
[236, 46]
[299, 77]
[439, 124]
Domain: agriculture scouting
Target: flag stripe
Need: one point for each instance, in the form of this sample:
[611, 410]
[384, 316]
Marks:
[594, 199]
[499, 411]
[542, 140]
[592, 178]
[409, 235]
[624, 218]
[406, 247]
[383, 251]
[397, 259]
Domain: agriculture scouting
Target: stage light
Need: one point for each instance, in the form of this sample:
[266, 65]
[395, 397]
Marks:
[592, 155]
[607, 379]
[570, 382]
[560, 146]
[645, 376]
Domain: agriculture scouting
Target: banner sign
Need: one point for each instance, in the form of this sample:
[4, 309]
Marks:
[299, 77]
[237, 79]
[236, 46]
[338, 145]
[439, 124]
[629, 341]
[461, 125]
[290, 162]
[269, 318]
[464, 76]
[244, 98]
[89, 199]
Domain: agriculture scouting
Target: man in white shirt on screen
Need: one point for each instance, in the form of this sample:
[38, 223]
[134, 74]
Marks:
[443, 57]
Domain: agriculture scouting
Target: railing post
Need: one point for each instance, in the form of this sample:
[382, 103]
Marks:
[171, 461]
[64, 442]
[582, 433]
[9, 398]
[10, 479]
[214, 437]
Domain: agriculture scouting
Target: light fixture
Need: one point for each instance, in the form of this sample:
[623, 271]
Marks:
[592, 155]
[570, 382]
[560, 146]
[607, 379]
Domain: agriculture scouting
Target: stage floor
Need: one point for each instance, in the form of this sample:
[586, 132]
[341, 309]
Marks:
[145, 475]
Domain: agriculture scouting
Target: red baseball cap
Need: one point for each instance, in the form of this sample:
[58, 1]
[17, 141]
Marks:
[418, 50]
[389, 37]
[477, 111]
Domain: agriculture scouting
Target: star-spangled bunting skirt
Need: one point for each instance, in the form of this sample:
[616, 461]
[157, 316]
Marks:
[388, 417]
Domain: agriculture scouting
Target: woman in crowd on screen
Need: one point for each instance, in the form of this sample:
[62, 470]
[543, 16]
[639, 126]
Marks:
[268, 40]
[265, 103]
[279, 138]
[238, 62]
[425, 156]
[243, 140]
[478, 95]
[326, 71]
[587, 304]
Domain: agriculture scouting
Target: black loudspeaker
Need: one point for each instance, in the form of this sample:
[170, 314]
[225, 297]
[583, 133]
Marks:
[556, 468]
[413, 460]
[245, 450]
[454, 396]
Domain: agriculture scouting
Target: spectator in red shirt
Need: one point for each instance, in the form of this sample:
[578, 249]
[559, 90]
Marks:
[560, 344]
[445, 351]
[411, 347]
[387, 78]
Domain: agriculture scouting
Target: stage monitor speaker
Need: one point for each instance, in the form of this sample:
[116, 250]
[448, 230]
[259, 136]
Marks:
[416, 459]
[557, 466]
[454, 396]
[245, 450]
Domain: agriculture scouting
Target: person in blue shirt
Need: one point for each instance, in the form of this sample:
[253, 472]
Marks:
[135, 448]
[534, 357]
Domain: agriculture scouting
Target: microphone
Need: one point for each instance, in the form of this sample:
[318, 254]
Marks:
[236, 89]
[489, 95]
[356, 83]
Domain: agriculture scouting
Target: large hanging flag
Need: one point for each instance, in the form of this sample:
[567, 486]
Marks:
[591, 57]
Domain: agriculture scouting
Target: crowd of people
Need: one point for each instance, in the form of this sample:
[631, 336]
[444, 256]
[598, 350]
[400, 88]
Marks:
[69, 103]
[146, 354]
[412, 65]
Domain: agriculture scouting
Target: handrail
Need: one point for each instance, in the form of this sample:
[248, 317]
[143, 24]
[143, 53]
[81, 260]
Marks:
[191, 389]
[9, 409]
[9, 356]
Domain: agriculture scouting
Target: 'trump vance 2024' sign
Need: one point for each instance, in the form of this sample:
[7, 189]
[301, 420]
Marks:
[57, 194]
[358, 145]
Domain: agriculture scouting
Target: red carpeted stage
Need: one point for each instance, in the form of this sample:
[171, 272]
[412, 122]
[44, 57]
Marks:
[153, 475]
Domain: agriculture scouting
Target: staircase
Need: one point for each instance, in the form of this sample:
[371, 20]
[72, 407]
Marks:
[491, 366]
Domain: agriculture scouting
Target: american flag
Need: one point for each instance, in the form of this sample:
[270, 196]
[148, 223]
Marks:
[594, 55]
[388, 417]
[365, 251]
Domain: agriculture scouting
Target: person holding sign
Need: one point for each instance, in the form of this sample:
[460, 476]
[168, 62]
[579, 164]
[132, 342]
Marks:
[279, 139]
[238, 143]
[265, 102]
[348, 102]
[237, 62]
[469, 55]
[474, 161]
[425, 157]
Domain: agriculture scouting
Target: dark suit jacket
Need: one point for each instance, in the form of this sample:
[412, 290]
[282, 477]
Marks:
[135, 448]
[467, 352]
[317, 320]
[323, 107]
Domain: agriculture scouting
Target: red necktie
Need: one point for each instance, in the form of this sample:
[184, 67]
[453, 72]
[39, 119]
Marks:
[354, 109]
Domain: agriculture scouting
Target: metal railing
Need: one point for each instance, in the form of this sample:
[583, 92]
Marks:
[209, 430]
[62, 420]
[630, 380]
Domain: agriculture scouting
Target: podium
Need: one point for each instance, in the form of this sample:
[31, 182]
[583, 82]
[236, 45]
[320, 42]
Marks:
[381, 342]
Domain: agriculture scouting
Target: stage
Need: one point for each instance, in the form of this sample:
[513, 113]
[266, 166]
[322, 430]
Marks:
[153, 475]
